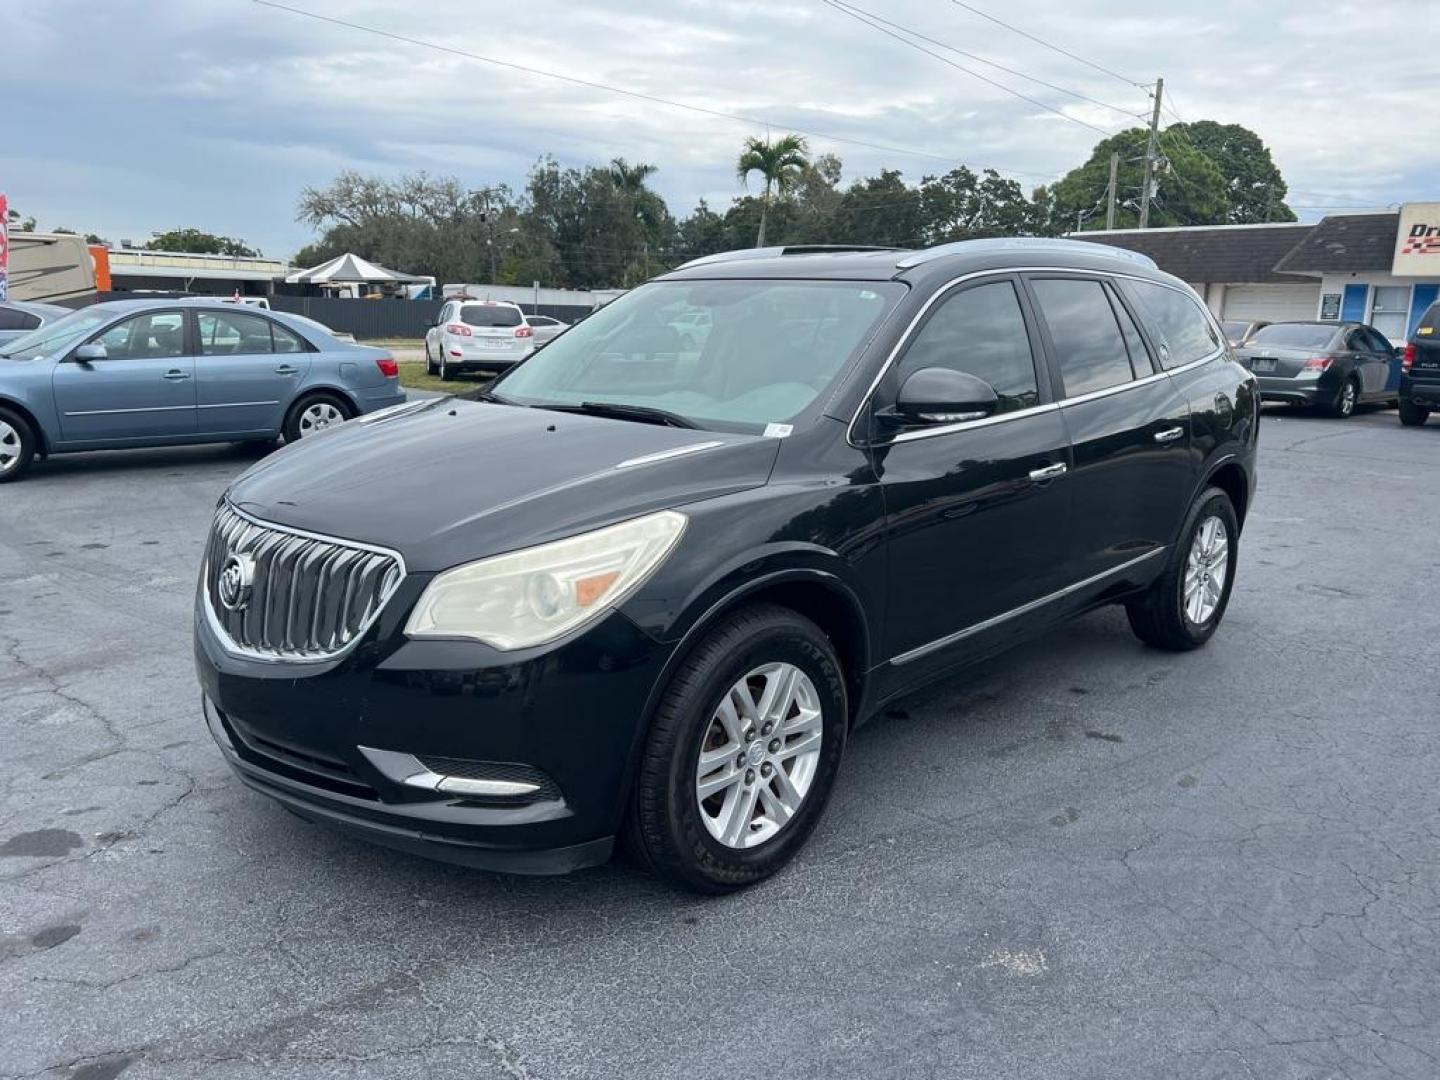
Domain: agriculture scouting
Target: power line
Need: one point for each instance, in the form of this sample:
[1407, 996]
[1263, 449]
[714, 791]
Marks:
[991, 63]
[636, 94]
[854, 14]
[1048, 45]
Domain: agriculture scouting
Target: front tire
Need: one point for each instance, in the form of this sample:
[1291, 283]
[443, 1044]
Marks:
[742, 753]
[1412, 415]
[314, 413]
[17, 445]
[1182, 608]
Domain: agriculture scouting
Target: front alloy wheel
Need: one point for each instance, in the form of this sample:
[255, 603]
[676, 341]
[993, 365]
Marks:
[741, 754]
[759, 756]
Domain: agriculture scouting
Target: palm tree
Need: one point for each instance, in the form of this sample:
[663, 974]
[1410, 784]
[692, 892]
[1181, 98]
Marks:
[781, 163]
[646, 209]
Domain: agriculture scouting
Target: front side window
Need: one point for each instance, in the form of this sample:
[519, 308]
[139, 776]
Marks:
[1175, 320]
[773, 349]
[158, 335]
[233, 334]
[1087, 340]
[980, 331]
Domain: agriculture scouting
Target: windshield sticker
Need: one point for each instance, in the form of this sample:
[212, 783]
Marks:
[778, 431]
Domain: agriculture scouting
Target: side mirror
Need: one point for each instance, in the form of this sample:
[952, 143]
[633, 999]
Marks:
[93, 351]
[943, 396]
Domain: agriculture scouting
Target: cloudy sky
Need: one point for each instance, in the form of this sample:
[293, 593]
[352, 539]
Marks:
[135, 116]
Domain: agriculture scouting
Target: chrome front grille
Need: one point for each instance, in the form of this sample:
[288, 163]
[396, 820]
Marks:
[307, 597]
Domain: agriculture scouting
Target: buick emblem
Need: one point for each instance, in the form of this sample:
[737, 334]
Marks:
[236, 579]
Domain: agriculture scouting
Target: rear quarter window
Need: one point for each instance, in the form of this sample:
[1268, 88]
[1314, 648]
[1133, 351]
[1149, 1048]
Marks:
[1181, 329]
[1429, 325]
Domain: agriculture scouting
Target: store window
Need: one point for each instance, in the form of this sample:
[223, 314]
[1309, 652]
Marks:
[1390, 311]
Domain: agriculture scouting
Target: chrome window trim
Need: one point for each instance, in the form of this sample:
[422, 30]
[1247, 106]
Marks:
[1024, 609]
[235, 649]
[1035, 410]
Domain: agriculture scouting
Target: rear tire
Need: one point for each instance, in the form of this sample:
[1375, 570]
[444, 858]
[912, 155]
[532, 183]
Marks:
[429, 363]
[314, 412]
[1167, 615]
[749, 826]
[1346, 398]
[17, 445]
[1412, 415]
[447, 373]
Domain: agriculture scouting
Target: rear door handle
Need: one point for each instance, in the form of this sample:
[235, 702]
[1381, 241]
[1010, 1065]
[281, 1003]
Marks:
[286, 369]
[176, 375]
[1169, 434]
[1049, 472]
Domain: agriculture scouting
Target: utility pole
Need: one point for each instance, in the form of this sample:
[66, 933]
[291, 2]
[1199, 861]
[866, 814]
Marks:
[1110, 193]
[1149, 177]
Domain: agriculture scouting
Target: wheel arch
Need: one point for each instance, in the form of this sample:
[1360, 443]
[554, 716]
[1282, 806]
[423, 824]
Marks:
[42, 440]
[1230, 477]
[323, 388]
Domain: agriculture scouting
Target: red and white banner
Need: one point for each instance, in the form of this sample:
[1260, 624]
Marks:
[4, 247]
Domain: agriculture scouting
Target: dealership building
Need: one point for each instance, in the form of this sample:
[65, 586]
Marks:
[1379, 268]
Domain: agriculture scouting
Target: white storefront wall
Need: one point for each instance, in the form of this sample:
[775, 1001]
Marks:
[1264, 303]
[1391, 303]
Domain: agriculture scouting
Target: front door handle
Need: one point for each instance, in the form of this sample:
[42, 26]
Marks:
[1049, 472]
[176, 375]
[1169, 434]
[286, 369]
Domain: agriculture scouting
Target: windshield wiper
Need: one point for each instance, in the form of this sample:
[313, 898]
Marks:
[644, 414]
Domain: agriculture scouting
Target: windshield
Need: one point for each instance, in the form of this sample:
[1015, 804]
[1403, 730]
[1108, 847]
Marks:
[1293, 335]
[58, 336]
[730, 355]
[484, 315]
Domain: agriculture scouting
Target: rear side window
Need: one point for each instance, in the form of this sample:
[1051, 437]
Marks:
[1177, 323]
[485, 315]
[15, 319]
[233, 334]
[980, 331]
[1294, 336]
[1087, 339]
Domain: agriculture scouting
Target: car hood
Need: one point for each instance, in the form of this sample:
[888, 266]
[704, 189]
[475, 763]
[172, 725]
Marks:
[449, 481]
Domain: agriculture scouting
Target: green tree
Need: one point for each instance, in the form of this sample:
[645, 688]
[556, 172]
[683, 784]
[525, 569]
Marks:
[1189, 191]
[196, 240]
[961, 205]
[881, 210]
[1254, 187]
[780, 163]
[19, 224]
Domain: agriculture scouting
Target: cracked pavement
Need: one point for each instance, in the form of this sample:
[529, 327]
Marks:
[1083, 859]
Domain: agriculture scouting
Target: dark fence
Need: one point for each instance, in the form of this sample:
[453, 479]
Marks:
[369, 319]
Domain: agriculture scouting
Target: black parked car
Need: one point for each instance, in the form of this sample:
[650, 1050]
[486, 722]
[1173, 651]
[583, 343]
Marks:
[1420, 370]
[660, 586]
[1332, 366]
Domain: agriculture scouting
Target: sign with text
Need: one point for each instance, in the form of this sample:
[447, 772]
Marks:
[4, 247]
[1417, 247]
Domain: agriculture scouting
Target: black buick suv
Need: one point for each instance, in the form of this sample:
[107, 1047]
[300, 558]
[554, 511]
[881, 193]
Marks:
[644, 587]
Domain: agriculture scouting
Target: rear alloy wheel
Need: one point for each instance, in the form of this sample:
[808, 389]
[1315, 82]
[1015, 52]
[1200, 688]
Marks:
[1185, 604]
[17, 445]
[446, 371]
[1412, 415]
[1343, 407]
[314, 414]
[742, 753]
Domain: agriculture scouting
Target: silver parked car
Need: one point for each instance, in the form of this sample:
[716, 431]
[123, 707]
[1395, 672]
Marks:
[546, 328]
[19, 317]
[166, 372]
[477, 335]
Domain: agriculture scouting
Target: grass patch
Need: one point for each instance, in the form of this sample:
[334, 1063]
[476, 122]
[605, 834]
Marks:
[418, 344]
[413, 377]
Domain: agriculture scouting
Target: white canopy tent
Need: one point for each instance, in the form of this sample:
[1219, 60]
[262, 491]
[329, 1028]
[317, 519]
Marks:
[349, 269]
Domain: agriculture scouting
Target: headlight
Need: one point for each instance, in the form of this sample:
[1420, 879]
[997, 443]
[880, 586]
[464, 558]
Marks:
[534, 596]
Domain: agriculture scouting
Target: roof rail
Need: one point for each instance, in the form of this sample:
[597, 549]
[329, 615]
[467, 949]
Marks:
[788, 249]
[1024, 243]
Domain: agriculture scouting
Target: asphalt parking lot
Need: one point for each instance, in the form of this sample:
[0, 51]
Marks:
[1084, 859]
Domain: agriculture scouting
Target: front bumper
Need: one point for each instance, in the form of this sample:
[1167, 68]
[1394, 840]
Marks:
[572, 713]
